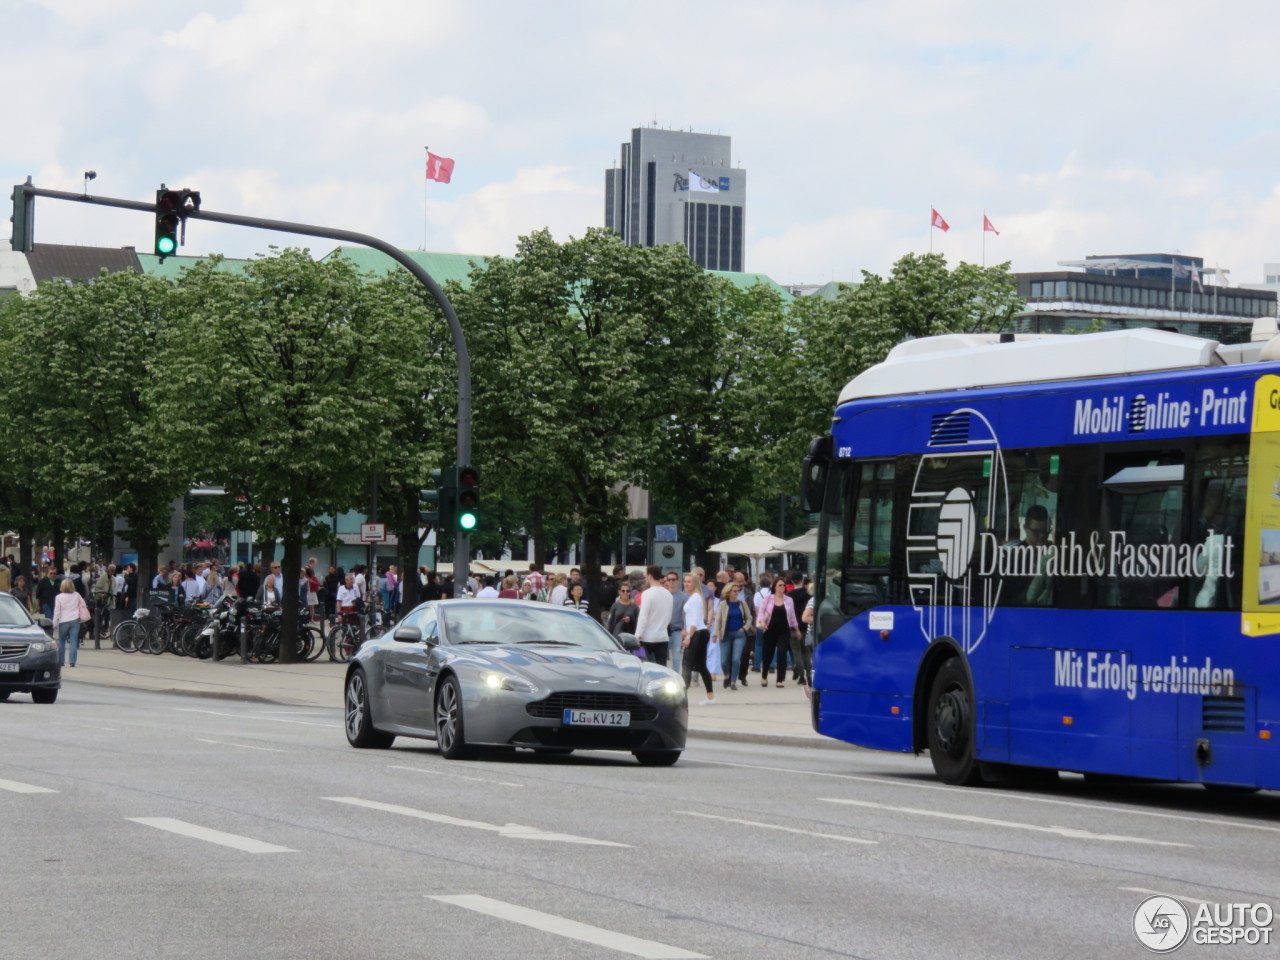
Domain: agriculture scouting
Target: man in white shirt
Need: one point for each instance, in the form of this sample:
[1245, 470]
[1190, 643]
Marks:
[696, 635]
[348, 594]
[655, 614]
[193, 588]
[488, 590]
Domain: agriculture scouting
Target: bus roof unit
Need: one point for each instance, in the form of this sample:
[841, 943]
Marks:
[960, 361]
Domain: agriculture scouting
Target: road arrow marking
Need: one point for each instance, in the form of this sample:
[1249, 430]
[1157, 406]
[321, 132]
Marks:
[774, 826]
[1069, 832]
[515, 831]
[235, 841]
[13, 786]
[572, 929]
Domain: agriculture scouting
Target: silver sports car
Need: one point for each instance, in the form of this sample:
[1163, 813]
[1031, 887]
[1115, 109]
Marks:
[512, 673]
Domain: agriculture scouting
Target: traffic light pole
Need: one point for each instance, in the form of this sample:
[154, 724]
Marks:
[462, 540]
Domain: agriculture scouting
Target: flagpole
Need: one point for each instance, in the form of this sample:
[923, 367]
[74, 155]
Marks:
[984, 238]
[931, 209]
[424, 201]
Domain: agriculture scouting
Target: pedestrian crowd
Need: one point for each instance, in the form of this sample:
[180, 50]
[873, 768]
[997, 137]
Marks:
[723, 629]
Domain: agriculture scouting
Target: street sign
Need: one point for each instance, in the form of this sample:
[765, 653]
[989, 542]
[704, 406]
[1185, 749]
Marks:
[373, 532]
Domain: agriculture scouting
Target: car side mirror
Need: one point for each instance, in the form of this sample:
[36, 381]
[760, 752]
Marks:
[629, 641]
[407, 634]
[44, 623]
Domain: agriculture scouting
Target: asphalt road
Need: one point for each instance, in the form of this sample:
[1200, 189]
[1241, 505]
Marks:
[145, 825]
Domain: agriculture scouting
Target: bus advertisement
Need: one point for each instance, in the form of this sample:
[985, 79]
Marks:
[1059, 553]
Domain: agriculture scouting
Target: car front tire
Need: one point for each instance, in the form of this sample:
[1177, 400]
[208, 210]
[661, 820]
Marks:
[450, 731]
[656, 758]
[44, 696]
[358, 718]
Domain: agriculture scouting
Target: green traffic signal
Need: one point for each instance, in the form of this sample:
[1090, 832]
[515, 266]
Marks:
[468, 498]
[168, 221]
[166, 245]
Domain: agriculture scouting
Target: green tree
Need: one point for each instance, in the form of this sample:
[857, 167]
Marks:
[581, 350]
[80, 359]
[274, 386]
[920, 298]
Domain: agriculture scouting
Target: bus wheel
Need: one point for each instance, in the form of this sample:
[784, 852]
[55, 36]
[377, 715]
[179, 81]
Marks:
[952, 727]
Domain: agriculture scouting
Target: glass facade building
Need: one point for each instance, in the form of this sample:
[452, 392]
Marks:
[674, 186]
[1139, 290]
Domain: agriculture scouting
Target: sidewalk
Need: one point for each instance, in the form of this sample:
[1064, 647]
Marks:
[751, 714]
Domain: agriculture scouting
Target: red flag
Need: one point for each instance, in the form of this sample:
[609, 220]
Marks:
[988, 225]
[937, 221]
[439, 168]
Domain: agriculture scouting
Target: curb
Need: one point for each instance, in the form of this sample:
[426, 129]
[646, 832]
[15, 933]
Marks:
[738, 736]
[771, 739]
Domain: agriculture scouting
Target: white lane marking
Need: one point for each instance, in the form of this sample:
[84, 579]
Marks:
[513, 830]
[456, 776]
[1165, 893]
[774, 826]
[14, 786]
[572, 929]
[242, 746]
[233, 840]
[1070, 832]
[254, 716]
[1105, 808]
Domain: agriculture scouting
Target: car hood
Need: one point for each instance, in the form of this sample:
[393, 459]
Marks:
[26, 634]
[560, 667]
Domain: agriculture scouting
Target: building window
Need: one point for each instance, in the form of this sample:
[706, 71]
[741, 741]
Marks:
[1060, 288]
[1037, 288]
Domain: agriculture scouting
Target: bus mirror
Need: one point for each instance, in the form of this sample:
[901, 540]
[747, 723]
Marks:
[813, 475]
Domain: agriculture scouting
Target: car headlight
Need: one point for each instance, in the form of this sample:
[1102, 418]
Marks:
[668, 688]
[506, 681]
[44, 646]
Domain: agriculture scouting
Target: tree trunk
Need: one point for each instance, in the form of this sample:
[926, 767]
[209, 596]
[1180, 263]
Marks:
[408, 546]
[26, 550]
[591, 543]
[290, 572]
[539, 530]
[58, 538]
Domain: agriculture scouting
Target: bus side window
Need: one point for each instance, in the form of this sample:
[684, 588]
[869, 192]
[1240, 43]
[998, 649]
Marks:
[866, 571]
[1217, 510]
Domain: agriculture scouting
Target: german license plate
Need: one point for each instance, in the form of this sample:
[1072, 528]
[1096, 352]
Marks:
[13, 668]
[598, 718]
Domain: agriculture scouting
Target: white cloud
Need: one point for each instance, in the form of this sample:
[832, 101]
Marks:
[491, 219]
[1102, 128]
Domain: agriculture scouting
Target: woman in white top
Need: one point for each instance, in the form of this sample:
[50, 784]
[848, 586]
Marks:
[696, 636]
[69, 609]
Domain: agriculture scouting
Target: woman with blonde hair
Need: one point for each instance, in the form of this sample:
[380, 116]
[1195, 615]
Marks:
[508, 591]
[732, 618]
[69, 609]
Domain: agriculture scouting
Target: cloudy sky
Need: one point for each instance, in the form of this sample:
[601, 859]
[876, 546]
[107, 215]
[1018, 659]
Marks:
[1091, 127]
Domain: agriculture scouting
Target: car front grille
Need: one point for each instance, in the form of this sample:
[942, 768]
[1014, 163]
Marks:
[11, 651]
[554, 706]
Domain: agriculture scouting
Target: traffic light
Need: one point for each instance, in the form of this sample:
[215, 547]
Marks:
[23, 220]
[468, 498]
[172, 209]
[168, 220]
[429, 508]
[436, 506]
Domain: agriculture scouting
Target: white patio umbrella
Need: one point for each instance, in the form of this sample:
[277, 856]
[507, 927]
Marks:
[805, 543]
[754, 544]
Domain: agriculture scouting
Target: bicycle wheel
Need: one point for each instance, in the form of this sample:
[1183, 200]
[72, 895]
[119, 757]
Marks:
[189, 640]
[315, 642]
[157, 639]
[342, 642]
[127, 635]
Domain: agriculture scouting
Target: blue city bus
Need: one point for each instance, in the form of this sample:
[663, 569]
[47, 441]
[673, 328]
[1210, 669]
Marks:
[1059, 553]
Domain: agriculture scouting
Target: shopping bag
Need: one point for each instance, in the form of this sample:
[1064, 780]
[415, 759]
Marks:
[713, 657]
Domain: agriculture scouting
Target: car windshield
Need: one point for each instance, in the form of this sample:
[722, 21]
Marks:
[523, 623]
[11, 612]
